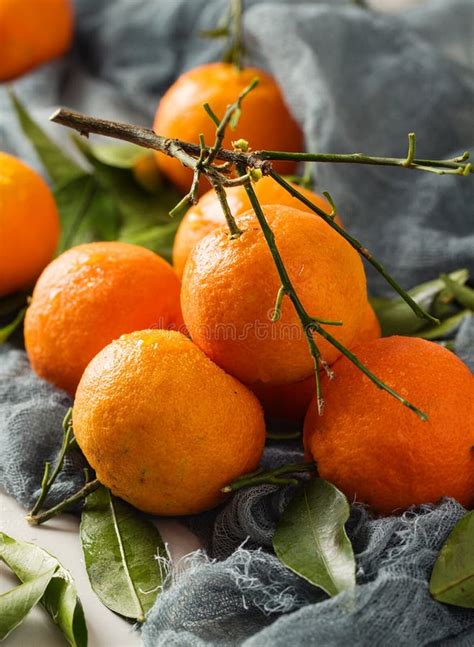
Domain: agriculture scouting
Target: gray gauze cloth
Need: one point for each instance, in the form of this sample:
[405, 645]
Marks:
[356, 81]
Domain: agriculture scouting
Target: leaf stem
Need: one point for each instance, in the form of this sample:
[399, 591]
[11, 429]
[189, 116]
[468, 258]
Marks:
[273, 477]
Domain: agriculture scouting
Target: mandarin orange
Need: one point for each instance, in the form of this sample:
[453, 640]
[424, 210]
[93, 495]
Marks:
[378, 451]
[230, 285]
[163, 427]
[90, 295]
[29, 225]
[265, 120]
[32, 32]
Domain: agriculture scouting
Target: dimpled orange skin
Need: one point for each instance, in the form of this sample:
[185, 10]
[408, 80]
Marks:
[165, 428]
[230, 285]
[265, 121]
[31, 33]
[207, 214]
[376, 450]
[29, 225]
[90, 295]
[291, 401]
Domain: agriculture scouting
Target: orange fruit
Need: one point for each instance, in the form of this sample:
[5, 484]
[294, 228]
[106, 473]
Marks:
[291, 401]
[90, 295]
[31, 33]
[229, 290]
[29, 224]
[163, 427]
[207, 214]
[265, 121]
[375, 449]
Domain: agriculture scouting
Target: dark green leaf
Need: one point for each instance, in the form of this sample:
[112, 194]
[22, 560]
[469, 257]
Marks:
[159, 238]
[452, 578]
[397, 318]
[87, 212]
[142, 214]
[120, 548]
[60, 599]
[59, 166]
[17, 603]
[12, 303]
[10, 328]
[311, 540]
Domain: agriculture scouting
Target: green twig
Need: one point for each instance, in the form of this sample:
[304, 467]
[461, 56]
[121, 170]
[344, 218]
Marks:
[88, 488]
[309, 323]
[273, 477]
[236, 50]
[453, 166]
[420, 312]
[234, 229]
[48, 479]
[276, 314]
[230, 117]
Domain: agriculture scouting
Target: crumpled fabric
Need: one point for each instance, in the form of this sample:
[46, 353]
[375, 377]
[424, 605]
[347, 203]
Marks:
[356, 81]
[250, 600]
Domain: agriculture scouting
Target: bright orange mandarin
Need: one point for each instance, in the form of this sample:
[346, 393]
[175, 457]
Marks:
[207, 214]
[29, 225]
[90, 295]
[165, 428]
[32, 32]
[229, 290]
[376, 450]
[265, 121]
[291, 401]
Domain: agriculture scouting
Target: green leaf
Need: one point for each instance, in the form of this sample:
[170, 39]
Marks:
[159, 238]
[463, 294]
[118, 156]
[452, 578]
[60, 599]
[87, 212]
[120, 548]
[17, 603]
[10, 328]
[59, 166]
[397, 318]
[311, 540]
[142, 214]
[446, 328]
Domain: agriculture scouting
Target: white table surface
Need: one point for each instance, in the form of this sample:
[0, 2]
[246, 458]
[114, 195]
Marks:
[60, 537]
